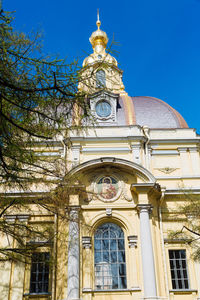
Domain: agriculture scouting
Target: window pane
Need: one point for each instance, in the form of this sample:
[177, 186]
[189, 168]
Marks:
[115, 282]
[122, 270]
[121, 256]
[178, 267]
[113, 245]
[106, 256]
[97, 244]
[110, 268]
[97, 257]
[105, 244]
[121, 244]
[122, 282]
[39, 273]
[113, 256]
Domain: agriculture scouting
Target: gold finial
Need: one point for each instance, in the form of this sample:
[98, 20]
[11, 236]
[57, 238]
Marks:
[98, 21]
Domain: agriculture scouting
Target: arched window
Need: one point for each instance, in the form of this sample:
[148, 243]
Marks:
[100, 78]
[109, 257]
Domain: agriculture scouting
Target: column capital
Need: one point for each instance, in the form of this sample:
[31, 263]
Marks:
[73, 212]
[145, 208]
[136, 146]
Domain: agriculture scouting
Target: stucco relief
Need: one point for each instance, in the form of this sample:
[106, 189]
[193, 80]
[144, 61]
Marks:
[108, 187]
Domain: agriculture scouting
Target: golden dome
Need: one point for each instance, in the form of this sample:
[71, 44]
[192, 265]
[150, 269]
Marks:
[98, 37]
[99, 42]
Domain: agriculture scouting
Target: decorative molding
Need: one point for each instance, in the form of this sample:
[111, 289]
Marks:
[10, 218]
[178, 177]
[102, 150]
[111, 98]
[132, 241]
[174, 141]
[182, 149]
[164, 152]
[184, 191]
[109, 138]
[86, 242]
[193, 149]
[136, 169]
[23, 218]
[86, 290]
[13, 218]
[177, 241]
[167, 170]
[109, 212]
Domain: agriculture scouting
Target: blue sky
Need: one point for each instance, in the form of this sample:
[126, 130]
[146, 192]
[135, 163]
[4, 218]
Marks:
[158, 42]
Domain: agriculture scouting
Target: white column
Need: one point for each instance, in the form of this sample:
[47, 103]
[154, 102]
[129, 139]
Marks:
[147, 253]
[73, 256]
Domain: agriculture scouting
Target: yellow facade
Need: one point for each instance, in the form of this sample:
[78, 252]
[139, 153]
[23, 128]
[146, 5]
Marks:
[129, 179]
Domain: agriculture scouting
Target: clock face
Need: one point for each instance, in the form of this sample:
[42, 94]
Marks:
[103, 109]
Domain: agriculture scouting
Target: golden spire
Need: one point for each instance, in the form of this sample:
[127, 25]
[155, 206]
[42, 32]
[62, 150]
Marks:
[98, 37]
[98, 21]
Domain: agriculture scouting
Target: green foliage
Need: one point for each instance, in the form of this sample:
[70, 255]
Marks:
[37, 99]
[190, 231]
[39, 105]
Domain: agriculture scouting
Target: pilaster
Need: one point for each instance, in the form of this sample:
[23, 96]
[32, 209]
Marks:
[136, 148]
[87, 258]
[184, 157]
[132, 243]
[195, 160]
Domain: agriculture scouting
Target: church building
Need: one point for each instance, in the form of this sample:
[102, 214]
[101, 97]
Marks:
[131, 168]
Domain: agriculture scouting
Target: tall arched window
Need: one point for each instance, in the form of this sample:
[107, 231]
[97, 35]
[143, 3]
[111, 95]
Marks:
[109, 260]
[100, 78]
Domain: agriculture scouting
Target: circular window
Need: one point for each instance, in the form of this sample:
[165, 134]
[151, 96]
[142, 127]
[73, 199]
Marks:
[103, 109]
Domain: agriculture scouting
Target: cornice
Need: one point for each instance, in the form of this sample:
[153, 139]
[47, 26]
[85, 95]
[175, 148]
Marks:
[178, 177]
[108, 138]
[174, 141]
[184, 191]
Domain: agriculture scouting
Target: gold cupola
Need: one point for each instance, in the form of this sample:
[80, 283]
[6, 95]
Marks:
[100, 61]
[99, 42]
[98, 38]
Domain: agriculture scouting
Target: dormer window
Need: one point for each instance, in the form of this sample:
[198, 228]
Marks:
[100, 79]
